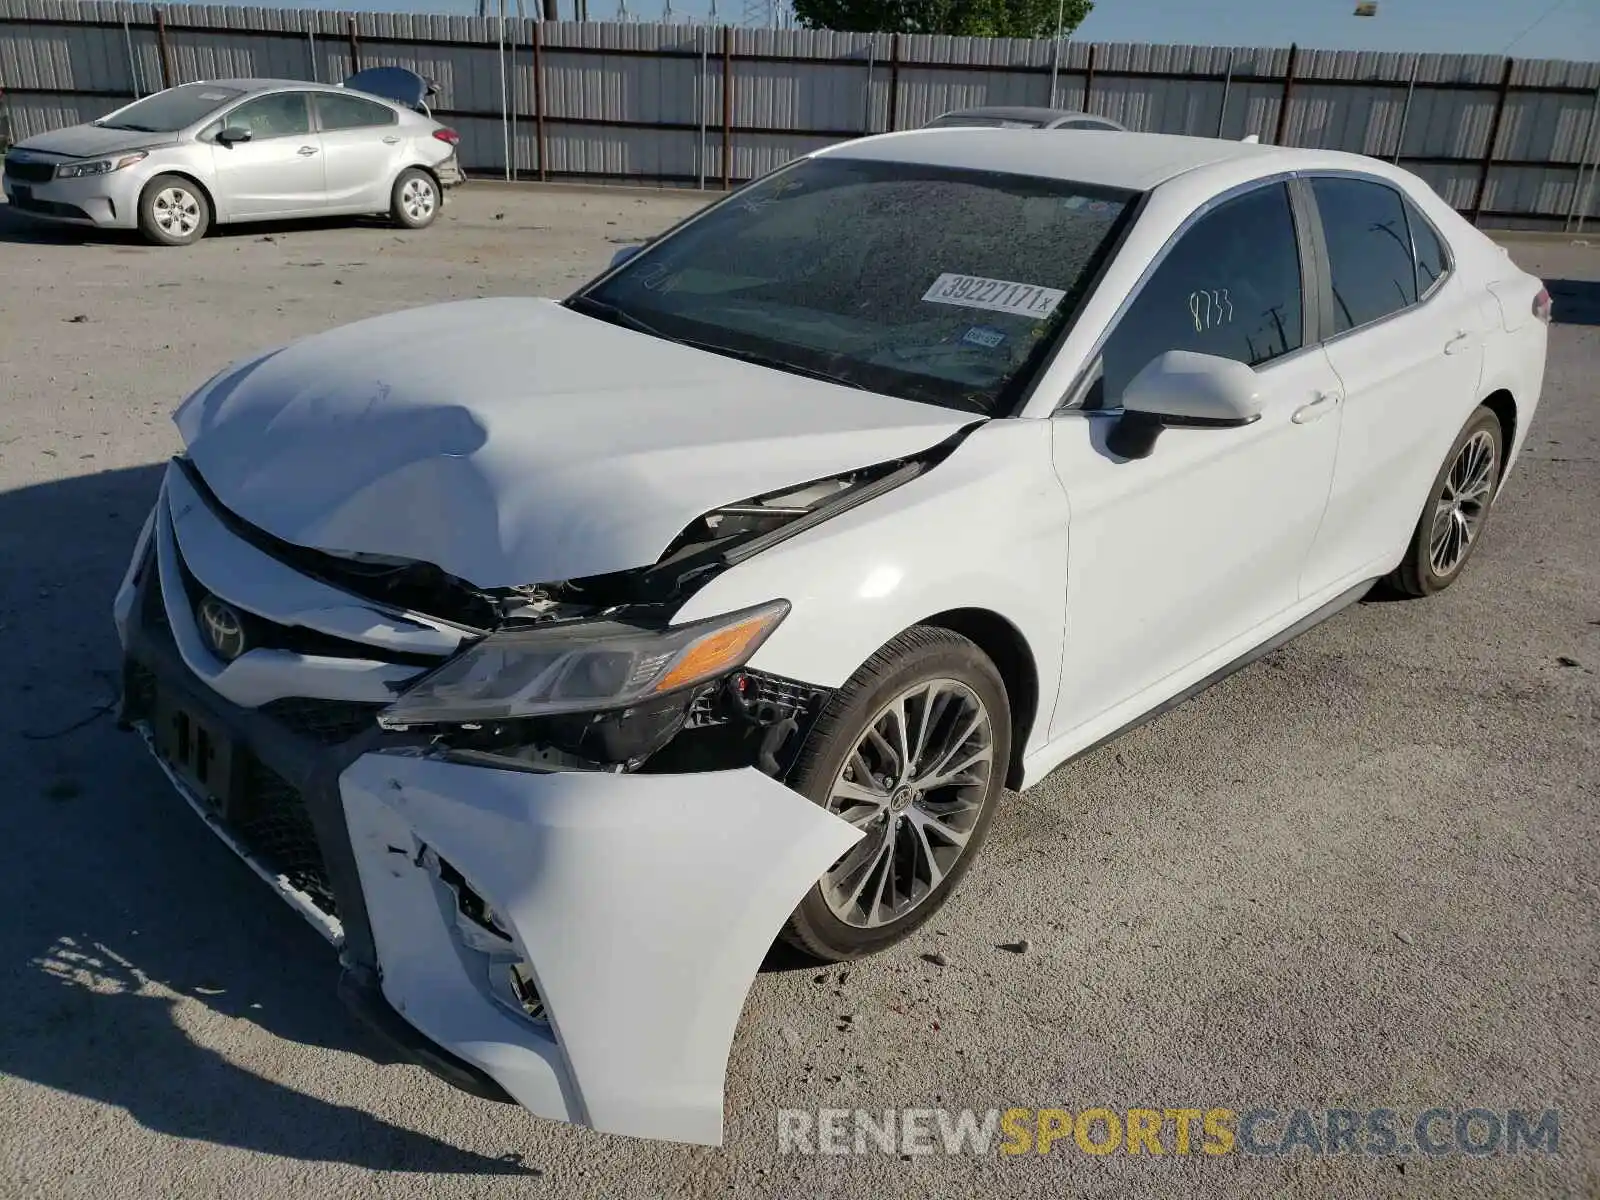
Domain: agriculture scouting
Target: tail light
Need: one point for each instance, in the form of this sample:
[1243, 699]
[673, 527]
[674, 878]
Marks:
[1541, 305]
[447, 135]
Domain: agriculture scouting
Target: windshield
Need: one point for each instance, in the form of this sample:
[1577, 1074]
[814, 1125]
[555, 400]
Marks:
[174, 109]
[934, 284]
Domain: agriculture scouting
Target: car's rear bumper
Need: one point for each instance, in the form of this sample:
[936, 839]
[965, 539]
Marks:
[450, 172]
[581, 942]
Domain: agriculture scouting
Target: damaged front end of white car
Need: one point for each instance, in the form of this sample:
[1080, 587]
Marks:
[544, 823]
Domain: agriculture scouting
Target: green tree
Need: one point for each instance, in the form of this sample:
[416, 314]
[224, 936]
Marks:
[962, 18]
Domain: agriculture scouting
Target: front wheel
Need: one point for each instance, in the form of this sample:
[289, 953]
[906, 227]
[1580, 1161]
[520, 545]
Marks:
[913, 752]
[1457, 508]
[173, 211]
[414, 202]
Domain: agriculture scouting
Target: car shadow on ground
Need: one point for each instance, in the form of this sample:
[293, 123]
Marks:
[19, 228]
[123, 913]
[1574, 301]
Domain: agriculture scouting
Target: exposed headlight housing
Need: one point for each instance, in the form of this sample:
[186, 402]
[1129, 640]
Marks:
[584, 666]
[103, 166]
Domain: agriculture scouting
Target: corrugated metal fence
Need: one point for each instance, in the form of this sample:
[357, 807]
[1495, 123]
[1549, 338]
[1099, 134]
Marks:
[1510, 141]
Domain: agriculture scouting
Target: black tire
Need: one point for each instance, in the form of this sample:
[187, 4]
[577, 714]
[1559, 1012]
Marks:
[173, 211]
[920, 655]
[415, 199]
[1418, 574]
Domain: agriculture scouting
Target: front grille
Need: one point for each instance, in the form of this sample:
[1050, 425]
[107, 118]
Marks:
[329, 722]
[50, 208]
[275, 825]
[30, 172]
[138, 690]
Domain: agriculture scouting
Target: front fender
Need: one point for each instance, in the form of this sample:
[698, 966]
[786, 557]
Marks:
[984, 529]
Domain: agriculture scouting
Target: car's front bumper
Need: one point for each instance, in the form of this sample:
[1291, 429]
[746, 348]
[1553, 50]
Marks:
[101, 201]
[635, 909]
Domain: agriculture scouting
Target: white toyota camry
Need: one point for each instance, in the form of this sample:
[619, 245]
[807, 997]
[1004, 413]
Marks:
[554, 657]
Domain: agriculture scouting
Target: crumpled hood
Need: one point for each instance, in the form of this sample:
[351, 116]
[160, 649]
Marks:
[513, 441]
[87, 141]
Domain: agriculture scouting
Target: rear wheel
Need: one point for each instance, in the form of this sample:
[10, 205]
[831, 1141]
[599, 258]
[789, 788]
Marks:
[414, 203]
[913, 752]
[173, 211]
[1458, 506]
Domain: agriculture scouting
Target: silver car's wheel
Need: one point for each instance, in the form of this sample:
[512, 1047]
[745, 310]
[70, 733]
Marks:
[415, 202]
[173, 211]
[915, 783]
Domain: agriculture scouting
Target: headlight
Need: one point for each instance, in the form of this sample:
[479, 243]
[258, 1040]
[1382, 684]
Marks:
[582, 667]
[102, 166]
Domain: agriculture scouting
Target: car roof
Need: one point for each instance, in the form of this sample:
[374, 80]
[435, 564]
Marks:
[269, 85]
[1136, 161]
[1039, 116]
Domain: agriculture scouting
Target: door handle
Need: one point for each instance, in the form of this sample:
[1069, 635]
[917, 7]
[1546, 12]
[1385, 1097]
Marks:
[1324, 404]
[1461, 341]
[390, 140]
[307, 151]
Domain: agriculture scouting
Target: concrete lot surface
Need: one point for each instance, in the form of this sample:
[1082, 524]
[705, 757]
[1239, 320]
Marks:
[1362, 873]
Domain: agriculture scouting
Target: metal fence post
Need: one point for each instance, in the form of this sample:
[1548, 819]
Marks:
[894, 82]
[311, 44]
[355, 45]
[505, 106]
[727, 106]
[133, 62]
[866, 96]
[1088, 77]
[164, 49]
[1227, 86]
[538, 96]
[1405, 112]
[1288, 94]
[703, 92]
[1494, 138]
[1591, 148]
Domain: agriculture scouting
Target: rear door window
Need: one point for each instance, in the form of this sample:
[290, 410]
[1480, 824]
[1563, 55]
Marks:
[351, 112]
[1433, 263]
[1369, 250]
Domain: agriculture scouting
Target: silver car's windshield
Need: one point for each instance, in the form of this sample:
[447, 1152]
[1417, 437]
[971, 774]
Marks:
[174, 109]
[942, 285]
[980, 122]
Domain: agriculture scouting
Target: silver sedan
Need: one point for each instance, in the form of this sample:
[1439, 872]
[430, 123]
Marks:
[181, 160]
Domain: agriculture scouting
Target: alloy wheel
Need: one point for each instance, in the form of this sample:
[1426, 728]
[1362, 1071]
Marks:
[417, 198]
[176, 212]
[914, 783]
[1459, 510]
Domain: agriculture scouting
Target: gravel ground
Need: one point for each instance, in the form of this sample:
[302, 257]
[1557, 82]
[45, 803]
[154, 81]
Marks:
[1361, 873]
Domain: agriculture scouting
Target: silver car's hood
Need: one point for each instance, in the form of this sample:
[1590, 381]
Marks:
[85, 141]
[513, 441]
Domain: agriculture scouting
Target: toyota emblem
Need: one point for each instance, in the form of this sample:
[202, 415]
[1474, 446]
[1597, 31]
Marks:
[223, 627]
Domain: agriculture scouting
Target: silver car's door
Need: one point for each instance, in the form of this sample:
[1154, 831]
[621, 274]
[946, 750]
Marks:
[277, 170]
[362, 143]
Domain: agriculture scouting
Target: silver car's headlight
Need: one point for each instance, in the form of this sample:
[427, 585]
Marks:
[585, 666]
[102, 166]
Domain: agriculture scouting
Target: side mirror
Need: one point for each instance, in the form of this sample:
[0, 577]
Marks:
[623, 255]
[1181, 387]
[229, 134]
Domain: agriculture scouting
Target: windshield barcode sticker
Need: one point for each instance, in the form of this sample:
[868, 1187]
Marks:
[994, 295]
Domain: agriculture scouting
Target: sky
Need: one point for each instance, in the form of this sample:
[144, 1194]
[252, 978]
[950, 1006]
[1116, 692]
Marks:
[1525, 28]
